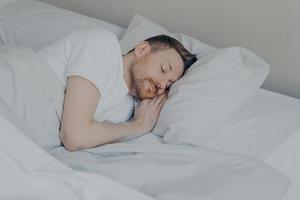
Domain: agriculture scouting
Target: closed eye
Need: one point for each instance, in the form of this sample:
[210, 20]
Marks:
[162, 69]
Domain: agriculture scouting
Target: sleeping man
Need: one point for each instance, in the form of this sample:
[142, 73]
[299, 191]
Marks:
[101, 83]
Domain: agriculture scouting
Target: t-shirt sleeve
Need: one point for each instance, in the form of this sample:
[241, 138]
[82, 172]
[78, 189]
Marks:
[90, 54]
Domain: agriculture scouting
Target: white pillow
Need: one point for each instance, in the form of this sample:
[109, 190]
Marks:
[141, 29]
[35, 24]
[216, 86]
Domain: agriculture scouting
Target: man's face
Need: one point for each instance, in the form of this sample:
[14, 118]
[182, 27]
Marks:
[153, 73]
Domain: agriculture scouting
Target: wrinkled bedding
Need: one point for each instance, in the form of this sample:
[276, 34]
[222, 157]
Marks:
[167, 172]
[31, 99]
[29, 173]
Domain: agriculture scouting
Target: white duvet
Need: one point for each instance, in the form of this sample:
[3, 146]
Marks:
[27, 172]
[169, 172]
[31, 99]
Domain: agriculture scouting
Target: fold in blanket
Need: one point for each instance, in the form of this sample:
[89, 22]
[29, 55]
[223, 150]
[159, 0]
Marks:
[31, 96]
[27, 172]
[174, 172]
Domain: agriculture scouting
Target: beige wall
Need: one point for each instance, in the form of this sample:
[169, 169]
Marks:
[271, 28]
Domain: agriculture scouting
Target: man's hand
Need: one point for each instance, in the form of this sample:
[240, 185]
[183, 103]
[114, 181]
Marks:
[80, 130]
[147, 112]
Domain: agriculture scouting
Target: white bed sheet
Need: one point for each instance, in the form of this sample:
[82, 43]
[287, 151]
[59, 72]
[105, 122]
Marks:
[285, 152]
[286, 158]
[268, 128]
[260, 127]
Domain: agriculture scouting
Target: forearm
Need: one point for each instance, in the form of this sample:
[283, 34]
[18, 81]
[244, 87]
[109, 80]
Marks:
[99, 133]
[107, 132]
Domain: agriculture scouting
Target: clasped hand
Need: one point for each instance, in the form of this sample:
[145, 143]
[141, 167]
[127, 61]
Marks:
[147, 112]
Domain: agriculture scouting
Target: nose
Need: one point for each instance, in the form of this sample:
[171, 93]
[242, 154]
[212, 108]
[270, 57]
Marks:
[169, 83]
[164, 85]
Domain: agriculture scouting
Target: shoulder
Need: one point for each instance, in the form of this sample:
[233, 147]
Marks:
[93, 35]
[92, 39]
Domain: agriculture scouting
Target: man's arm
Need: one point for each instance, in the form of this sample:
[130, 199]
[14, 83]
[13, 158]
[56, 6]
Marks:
[80, 130]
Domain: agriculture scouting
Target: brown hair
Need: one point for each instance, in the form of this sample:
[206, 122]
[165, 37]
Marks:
[161, 42]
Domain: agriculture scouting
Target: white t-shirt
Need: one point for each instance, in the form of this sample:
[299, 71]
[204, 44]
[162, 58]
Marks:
[94, 54]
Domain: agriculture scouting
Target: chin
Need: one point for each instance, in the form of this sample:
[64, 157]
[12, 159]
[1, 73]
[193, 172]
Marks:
[142, 93]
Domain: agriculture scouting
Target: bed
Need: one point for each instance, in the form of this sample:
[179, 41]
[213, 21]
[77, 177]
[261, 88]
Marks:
[254, 156]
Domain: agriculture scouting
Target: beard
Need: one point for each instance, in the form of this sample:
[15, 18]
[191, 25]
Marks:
[144, 88]
[143, 85]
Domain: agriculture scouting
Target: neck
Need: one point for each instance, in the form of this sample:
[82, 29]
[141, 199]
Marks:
[127, 64]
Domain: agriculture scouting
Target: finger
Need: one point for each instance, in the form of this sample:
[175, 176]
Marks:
[167, 92]
[161, 103]
[146, 101]
[158, 99]
[155, 100]
[151, 102]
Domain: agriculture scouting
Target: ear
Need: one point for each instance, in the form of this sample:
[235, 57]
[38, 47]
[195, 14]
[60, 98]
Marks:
[142, 48]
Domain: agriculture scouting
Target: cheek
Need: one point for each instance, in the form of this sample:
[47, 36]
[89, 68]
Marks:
[143, 90]
[140, 71]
